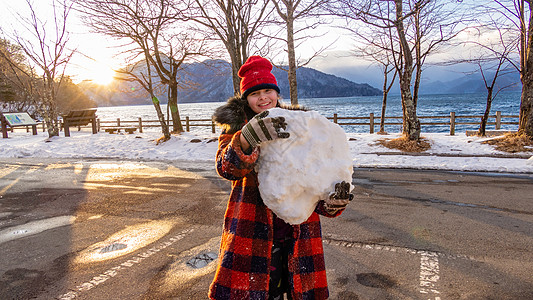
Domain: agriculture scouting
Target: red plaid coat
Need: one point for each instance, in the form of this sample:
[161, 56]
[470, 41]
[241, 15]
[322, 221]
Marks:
[245, 250]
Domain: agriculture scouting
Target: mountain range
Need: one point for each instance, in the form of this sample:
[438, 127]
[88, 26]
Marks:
[472, 83]
[210, 81]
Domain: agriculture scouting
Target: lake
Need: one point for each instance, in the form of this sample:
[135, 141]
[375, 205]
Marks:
[428, 105]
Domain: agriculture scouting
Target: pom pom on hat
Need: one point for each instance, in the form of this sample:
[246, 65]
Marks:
[255, 75]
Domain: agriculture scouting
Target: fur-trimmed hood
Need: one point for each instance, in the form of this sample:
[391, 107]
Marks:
[235, 113]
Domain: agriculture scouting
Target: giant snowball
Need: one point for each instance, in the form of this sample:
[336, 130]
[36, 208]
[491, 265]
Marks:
[296, 173]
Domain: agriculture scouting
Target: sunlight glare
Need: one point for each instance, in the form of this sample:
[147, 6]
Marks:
[102, 75]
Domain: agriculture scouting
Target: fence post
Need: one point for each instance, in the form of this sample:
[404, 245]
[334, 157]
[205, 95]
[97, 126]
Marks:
[371, 122]
[335, 118]
[66, 127]
[452, 123]
[93, 126]
[98, 125]
[118, 122]
[44, 126]
[4, 126]
[140, 125]
[187, 124]
[498, 120]
[212, 126]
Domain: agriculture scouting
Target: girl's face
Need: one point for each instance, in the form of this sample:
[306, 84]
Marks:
[262, 100]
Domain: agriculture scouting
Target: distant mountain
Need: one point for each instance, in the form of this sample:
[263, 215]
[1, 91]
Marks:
[210, 81]
[472, 83]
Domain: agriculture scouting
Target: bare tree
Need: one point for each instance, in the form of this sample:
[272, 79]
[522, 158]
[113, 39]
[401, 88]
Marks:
[236, 23]
[154, 28]
[387, 67]
[520, 14]
[290, 12]
[493, 60]
[493, 90]
[143, 76]
[46, 47]
[17, 79]
[420, 26]
[377, 46]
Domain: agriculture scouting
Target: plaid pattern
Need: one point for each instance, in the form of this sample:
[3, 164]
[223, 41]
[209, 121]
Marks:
[247, 238]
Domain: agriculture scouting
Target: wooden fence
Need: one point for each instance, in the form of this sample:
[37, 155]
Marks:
[452, 121]
[141, 124]
[371, 121]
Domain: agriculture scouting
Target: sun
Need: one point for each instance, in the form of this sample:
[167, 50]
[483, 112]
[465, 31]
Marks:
[102, 75]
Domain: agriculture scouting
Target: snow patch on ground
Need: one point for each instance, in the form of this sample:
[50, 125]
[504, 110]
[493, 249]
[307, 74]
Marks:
[364, 149]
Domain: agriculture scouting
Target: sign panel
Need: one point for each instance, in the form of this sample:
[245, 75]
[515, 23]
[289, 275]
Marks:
[19, 119]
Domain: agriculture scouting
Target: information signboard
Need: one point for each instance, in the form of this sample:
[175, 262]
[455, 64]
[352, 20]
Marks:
[19, 119]
[15, 120]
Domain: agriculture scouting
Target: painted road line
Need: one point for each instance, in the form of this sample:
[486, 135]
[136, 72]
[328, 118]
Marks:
[122, 267]
[429, 274]
[351, 244]
[429, 262]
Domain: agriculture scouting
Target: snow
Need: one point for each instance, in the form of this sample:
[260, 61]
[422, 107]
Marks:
[364, 151]
[295, 173]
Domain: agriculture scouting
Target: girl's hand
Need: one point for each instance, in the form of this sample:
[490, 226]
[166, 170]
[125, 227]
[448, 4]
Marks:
[339, 199]
[262, 128]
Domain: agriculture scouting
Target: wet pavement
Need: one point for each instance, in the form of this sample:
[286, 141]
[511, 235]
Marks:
[101, 229]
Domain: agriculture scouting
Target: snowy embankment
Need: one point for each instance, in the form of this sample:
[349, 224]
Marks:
[459, 152]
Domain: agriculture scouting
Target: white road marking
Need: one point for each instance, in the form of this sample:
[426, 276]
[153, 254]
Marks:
[429, 274]
[429, 263]
[112, 272]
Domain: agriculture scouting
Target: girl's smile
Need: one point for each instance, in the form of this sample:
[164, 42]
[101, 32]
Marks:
[262, 100]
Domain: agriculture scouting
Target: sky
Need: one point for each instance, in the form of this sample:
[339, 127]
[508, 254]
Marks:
[475, 156]
[98, 58]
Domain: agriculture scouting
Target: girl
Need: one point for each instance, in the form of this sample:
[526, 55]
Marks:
[261, 256]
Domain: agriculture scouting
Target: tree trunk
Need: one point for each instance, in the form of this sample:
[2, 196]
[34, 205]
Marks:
[383, 104]
[173, 104]
[235, 76]
[525, 124]
[160, 117]
[233, 50]
[236, 64]
[483, 124]
[411, 124]
[50, 112]
[293, 85]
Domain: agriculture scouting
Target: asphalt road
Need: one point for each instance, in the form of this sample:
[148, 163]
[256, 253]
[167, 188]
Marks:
[82, 229]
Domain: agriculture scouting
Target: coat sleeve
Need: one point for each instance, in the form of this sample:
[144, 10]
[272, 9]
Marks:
[232, 162]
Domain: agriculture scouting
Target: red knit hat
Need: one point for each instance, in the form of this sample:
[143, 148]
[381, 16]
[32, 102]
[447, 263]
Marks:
[256, 75]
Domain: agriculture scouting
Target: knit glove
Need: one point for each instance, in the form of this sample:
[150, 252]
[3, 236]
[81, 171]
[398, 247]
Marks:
[260, 129]
[339, 199]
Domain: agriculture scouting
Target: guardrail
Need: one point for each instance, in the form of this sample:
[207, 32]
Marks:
[496, 120]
